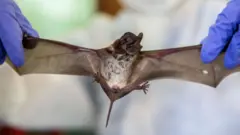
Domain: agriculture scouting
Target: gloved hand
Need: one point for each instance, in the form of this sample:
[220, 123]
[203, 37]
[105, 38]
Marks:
[12, 26]
[224, 31]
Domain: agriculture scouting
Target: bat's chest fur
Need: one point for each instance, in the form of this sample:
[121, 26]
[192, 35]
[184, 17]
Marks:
[117, 71]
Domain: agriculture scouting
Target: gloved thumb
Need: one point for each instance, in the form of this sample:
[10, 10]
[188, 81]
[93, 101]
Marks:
[232, 56]
[2, 54]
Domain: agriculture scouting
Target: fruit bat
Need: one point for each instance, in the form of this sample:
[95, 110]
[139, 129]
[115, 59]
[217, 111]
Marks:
[121, 67]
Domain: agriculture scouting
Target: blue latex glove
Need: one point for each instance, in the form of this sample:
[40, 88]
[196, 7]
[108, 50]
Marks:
[224, 31]
[12, 26]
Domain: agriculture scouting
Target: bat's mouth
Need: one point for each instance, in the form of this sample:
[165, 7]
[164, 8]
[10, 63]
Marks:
[128, 44]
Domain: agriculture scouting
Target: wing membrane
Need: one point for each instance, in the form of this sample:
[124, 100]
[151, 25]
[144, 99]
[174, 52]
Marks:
[53, 57]
[181, 63]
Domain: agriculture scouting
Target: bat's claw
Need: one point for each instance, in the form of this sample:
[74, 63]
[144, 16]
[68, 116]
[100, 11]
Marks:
[97, 77]
[145, 91]
[144, 87]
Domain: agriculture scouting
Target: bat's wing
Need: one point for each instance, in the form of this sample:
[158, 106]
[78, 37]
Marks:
[180, 63]
[52, 57]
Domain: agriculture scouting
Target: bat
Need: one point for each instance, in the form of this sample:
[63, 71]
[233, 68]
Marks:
[121, 67]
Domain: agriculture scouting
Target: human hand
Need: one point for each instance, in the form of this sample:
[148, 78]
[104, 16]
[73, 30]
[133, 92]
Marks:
[12, 26]
[224, 32]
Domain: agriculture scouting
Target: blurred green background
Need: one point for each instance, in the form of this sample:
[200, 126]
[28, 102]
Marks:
[52, 18]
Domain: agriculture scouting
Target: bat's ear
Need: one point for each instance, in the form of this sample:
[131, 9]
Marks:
[140, 36]
[115, 44]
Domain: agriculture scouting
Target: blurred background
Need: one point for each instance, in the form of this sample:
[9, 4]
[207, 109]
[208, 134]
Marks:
[67, 105]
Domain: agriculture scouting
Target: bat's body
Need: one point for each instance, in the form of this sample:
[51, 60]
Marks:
[122, 67]
[116, 71]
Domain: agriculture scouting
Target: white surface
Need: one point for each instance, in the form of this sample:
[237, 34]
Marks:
[44, 101]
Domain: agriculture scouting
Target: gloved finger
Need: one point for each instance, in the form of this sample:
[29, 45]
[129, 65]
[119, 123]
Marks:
[23, 22]
[232, 56]
[221, 32]
[2, 53]
[11, 36]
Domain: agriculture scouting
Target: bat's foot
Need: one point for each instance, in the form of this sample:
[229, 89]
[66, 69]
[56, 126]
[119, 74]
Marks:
[97, 77]
[144, 86]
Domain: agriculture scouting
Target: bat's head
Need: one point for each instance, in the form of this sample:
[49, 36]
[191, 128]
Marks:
[129, 44]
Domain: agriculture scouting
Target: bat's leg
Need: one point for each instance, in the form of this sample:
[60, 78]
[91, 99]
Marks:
[137, 86]
[143, 86]
[101, 80]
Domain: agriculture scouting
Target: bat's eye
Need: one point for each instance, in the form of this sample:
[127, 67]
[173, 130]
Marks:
[129, 41]
[130, 46]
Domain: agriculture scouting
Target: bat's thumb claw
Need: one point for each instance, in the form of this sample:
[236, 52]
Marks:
[29, 42]
[145, 92]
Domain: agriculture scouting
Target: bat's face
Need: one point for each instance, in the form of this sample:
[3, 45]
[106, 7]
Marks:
[128, 44]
